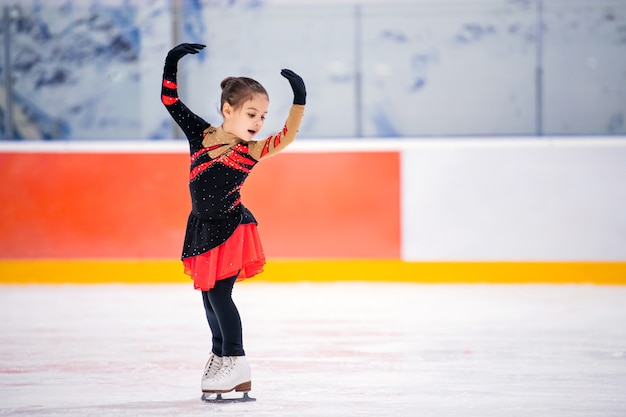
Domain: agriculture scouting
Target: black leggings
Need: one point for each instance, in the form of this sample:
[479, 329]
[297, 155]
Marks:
[223, 318]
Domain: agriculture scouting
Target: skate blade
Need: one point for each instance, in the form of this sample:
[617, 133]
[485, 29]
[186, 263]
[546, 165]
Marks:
[219, 399]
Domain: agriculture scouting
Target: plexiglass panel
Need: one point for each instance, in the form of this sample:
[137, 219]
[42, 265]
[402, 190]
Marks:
[91, 69]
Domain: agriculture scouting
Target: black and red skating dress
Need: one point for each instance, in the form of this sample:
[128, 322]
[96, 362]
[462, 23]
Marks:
[221, 239]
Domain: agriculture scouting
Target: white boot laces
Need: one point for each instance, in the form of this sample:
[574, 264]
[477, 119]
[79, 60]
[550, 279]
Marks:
[212, 367]
[228, 363]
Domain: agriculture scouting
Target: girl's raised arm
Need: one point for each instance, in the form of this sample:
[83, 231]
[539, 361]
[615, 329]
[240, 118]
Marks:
[191, 124]
[276, 143]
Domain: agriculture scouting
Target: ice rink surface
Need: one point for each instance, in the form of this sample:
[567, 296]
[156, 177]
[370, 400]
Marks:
[327, 349]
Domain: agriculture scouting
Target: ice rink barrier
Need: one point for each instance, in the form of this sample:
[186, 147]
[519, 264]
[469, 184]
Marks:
[493, 210]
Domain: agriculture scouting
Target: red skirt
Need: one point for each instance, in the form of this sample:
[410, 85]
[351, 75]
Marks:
[242, 253]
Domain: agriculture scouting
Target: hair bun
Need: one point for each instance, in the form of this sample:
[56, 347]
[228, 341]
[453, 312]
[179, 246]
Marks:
[226, 81]
[236, 90]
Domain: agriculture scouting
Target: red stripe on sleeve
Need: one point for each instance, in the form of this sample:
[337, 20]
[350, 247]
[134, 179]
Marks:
[266, 148]
[169, 84]
[168, 101]
[277, 139]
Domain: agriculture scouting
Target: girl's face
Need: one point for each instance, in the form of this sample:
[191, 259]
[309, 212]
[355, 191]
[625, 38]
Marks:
[246, 121]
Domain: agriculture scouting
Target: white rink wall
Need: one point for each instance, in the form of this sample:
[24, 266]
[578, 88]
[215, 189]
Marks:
[544, 199]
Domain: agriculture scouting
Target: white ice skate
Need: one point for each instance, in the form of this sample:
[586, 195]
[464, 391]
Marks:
[212, 366]
[232, 375]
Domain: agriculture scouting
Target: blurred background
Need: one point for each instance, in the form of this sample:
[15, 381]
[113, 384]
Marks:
[90, 69]
[472, 140]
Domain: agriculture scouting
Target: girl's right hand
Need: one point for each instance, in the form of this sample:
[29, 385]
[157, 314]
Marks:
[176, 53]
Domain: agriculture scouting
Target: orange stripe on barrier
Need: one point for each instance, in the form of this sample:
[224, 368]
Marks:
[327, 205]
[92, 205]
[135, 205]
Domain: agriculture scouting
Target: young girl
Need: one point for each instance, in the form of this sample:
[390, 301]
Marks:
[221, 242]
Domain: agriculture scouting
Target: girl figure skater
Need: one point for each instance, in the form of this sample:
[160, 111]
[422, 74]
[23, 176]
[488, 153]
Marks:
[221, 243]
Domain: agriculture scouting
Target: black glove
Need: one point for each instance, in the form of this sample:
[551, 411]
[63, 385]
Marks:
[176, 53]
[297, 85]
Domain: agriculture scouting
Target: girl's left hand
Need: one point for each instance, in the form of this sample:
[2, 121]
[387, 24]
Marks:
[297, 85]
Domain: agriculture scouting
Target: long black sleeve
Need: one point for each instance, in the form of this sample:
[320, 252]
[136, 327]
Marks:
[192, 125]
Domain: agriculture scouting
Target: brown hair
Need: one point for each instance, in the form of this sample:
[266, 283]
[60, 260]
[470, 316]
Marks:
[236, 90]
